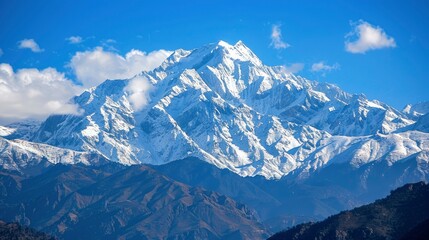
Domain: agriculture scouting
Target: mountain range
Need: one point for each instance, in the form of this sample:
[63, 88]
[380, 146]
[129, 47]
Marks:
[289, 148]
[111, 202]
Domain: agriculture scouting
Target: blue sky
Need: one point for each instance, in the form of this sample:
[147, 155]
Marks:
[396, 72]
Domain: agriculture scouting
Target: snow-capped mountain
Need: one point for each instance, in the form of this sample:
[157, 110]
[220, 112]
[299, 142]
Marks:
[220, 103]
[416, 110]
[420, 113]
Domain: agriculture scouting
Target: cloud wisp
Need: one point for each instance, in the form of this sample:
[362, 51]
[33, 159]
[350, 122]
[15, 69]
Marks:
[294, 67]
[323, 67]
[365, 37]
[94, 66]
[30, 44]
[276, 38]
[74, 39]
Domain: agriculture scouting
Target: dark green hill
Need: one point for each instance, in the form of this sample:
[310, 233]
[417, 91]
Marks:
[390, 218]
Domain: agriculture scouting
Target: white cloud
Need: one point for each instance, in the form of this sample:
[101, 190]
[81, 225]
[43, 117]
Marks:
[93, 67]
[322, 67]
[276, 38]
[74, 39]
[294, 67]
[138, 89]
[33, 93]
[30, 44]
[367, 37]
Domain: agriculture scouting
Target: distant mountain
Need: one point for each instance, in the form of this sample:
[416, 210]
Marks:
[14, 231]
[417, 110]
[401, 214]
[420, 113]
[81, 202]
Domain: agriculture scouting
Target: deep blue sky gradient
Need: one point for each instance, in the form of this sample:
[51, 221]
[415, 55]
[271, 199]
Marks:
[314, 29]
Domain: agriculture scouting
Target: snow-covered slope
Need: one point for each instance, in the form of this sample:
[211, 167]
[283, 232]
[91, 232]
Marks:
[6, 131]
[20, 130]
[358, 151]
[19, 154]
[221, 104]
[422, 124]
[237, 75]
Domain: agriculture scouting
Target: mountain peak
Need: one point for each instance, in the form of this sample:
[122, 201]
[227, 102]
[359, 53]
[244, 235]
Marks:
[239, 42]
[223, 44]
[211, 55]
[238, 51]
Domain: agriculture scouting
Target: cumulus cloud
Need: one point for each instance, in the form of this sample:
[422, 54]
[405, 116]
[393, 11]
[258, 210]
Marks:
[138, 89]
[322, 67]
[93, 67]
[294, 67]
[365, 37]
[33, 93]
[74, 39]
[276, 38]
[30, 44]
